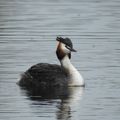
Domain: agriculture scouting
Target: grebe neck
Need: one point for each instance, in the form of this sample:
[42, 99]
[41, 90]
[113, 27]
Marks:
[66, 64]
[74, 77]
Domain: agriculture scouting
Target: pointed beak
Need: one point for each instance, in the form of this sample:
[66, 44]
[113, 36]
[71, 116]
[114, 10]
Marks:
[73, 50]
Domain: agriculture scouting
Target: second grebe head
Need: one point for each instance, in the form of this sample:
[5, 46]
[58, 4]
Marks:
[65, 47]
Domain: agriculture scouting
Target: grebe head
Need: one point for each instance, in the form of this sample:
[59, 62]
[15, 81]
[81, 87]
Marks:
[67, 44]
[65, 47]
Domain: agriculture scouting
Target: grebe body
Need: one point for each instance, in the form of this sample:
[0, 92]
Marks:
[44, 75]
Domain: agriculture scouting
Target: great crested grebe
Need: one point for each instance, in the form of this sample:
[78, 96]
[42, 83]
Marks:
[44, 75]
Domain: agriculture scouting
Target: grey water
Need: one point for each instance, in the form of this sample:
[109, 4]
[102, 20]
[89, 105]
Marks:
[28, 29]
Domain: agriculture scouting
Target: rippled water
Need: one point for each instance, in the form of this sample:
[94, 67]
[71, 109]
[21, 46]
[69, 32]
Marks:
[28, 29]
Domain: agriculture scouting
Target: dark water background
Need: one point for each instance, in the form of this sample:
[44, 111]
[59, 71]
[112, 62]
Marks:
[28, 29]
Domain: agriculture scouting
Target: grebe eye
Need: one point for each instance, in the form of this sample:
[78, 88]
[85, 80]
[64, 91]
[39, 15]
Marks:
[67, 47]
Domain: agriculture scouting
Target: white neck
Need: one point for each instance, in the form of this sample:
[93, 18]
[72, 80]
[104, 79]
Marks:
[74, 77]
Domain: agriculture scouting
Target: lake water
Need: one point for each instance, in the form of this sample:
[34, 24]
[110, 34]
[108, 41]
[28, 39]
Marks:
[28, 29]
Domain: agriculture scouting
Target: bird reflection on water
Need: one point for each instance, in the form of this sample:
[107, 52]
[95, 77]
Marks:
[64, 98]
[65, 108]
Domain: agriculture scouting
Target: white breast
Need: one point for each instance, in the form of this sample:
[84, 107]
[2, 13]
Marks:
[74, 77]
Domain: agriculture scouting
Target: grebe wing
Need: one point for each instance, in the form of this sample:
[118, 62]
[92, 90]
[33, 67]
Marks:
[44, 75]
